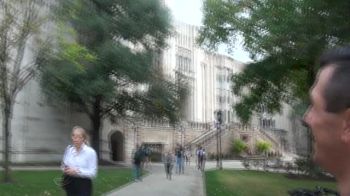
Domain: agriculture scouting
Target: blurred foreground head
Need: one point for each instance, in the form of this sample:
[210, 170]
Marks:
[328, 115]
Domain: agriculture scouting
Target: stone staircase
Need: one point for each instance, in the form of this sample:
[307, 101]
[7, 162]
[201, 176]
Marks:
[208, 138]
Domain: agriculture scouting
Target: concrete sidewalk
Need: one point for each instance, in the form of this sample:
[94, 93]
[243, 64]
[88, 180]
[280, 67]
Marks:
[156, 184]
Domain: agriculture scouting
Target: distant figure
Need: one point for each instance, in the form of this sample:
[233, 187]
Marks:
[197, 157]
[137, 160]
[200, 158]
[168, 160]
[179, 153]
[204, 159]
[147, 159]
[79, 165]
[188, 157]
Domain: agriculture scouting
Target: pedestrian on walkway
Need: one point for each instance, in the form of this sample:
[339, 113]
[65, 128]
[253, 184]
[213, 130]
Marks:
[197, 157]
[79, 165]
[138, 157]
[188, 157]
[147, 159]
[179, 153]
[168, 160]
[200, 158]
[204, 159]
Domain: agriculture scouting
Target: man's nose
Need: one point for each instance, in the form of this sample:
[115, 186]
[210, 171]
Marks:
[304, 120]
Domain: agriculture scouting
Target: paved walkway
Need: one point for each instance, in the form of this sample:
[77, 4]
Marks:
[156, 184]
[226, 164]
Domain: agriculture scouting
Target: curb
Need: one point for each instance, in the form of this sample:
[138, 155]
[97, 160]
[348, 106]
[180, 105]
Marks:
[204, 183]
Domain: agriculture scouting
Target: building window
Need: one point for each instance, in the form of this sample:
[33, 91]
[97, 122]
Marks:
[267, 123]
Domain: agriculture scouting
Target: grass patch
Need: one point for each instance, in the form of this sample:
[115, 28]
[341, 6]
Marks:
[41, 183]
[247, 183]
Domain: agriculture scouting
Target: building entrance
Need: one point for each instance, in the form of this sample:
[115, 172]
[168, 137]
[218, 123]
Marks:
[117, 146]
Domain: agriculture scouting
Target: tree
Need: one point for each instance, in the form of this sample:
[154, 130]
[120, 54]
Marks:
[283, 37]
[103, 60]
[20, 23]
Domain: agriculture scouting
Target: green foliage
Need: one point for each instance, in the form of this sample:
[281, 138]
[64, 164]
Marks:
[34, 183]
[241, 182]
[263, 146]
[104, 60]
[164, 98]
[106, 48]
[21, 32]
[283, 38]
[308, 167]
[239, 146]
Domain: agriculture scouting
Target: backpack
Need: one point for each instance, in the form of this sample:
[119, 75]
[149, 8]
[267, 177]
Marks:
[168, 159]
[138, 157]
[178, 153]
[200, 153]
[147, 151]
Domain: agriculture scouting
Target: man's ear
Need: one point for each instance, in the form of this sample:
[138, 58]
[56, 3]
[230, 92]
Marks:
[346, 129]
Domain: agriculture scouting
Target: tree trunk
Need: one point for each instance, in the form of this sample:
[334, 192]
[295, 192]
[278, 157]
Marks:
[6, 125]
[96, 125]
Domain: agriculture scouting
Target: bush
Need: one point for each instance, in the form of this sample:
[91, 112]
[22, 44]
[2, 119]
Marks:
[319, 191]
[246, 164]
[239, 146]
[308, 167]
[263, 146]
[212, 156]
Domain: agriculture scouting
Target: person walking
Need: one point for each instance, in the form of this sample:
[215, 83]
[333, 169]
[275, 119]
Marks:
[188, 157]
[179, 160]
[147, 159]
[137, 161]
[79, 165]
[168, 160]
[200, 158]
[204, 159]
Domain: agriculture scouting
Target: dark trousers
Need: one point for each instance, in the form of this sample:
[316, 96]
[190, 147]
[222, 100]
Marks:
[76, 186]
[168, 170]
[137, 171]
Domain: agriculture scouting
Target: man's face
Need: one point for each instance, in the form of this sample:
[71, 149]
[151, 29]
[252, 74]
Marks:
[326, 127]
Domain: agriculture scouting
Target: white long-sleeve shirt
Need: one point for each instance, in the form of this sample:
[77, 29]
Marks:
[85, 161]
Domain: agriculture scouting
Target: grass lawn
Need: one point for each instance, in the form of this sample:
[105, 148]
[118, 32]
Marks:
[248, 183]
[41, 183]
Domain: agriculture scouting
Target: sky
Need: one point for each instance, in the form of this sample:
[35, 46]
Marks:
[190, 12]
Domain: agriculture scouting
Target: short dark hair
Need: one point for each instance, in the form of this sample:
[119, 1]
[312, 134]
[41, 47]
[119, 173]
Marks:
[337, 90]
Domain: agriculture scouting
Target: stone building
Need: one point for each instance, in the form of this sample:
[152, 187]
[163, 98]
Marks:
[41, 128]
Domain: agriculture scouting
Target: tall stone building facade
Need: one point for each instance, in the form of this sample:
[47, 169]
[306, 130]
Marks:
[41, 128]
[208, 75]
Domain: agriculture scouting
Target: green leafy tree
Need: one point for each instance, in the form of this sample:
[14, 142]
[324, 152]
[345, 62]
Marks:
[104, 61]
[283, 38]
[20, 25]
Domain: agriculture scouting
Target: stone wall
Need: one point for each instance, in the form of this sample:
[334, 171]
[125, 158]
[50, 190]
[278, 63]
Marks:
[40, 129]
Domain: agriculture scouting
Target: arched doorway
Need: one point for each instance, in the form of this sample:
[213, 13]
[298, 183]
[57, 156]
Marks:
[117, 146]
